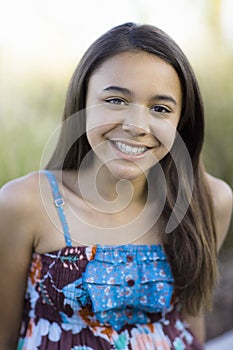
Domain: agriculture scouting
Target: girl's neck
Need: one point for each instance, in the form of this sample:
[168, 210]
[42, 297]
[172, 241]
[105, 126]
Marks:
[99, 187]
[118, 211]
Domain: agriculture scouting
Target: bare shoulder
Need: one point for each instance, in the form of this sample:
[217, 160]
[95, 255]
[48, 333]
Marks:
[223, 201]
[18, 203]
[17, 193]
[221, 194]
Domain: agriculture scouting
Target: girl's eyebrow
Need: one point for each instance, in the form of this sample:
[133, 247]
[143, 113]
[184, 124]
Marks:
[123, 90]
[128, 92]
[165, 98]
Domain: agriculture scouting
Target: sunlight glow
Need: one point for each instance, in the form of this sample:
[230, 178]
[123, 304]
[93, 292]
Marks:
[56, 30]
[227, 11]
[51, 34]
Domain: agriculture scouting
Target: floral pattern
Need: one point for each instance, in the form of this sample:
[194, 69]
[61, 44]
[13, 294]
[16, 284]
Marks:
[128, 277]
[102, 298]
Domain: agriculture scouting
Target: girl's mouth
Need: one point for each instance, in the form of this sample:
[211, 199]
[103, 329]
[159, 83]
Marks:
[132, 150]
[129, 150]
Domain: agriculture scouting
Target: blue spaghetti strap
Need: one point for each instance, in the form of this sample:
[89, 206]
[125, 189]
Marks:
[59, 202]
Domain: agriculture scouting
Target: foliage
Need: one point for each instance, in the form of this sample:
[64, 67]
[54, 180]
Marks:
[26, 124]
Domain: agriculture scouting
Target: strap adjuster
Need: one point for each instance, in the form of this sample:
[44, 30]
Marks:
[59, 202]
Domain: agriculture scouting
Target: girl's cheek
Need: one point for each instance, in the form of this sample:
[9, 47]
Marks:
[165, 132]
[101, 120]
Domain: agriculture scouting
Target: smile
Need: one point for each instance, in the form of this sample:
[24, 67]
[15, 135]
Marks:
[130, 150]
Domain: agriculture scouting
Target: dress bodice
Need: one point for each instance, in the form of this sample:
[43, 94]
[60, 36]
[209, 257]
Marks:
[118, 284]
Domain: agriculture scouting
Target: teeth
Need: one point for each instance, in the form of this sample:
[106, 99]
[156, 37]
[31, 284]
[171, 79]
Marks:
[129, 149]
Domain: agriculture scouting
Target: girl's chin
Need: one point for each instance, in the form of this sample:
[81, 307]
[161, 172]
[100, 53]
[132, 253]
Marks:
[126, 171]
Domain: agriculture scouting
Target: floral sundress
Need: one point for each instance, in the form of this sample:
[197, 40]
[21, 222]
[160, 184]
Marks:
[101, 298]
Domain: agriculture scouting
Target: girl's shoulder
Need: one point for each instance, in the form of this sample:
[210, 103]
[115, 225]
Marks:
[222, 200]
[20, 201]
[19, 204]
[17, 193]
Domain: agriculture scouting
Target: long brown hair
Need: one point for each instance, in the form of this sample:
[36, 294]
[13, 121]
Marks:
[191, 246]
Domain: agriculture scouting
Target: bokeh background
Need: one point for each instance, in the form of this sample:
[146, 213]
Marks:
[41, 42]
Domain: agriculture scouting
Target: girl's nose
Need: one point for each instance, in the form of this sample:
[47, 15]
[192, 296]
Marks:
[133, 130]
[136, 123]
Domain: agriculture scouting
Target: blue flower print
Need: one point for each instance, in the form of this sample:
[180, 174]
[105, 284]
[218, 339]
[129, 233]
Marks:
[75, 289]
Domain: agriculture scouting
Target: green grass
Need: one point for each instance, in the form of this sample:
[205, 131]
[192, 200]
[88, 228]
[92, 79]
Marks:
[26, 124]
[21, 146]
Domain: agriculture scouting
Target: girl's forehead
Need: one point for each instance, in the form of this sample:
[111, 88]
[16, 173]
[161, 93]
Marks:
[136, 70]
[127, 64]
[136, 57]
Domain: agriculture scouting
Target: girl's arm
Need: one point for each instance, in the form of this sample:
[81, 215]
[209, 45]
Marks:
[197, 325]
[16, 241]
[222, 199]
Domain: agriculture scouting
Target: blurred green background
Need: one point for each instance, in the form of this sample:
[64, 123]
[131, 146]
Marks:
[34, 79]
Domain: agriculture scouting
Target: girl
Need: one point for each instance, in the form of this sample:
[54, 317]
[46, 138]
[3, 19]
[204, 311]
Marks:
[114, 245]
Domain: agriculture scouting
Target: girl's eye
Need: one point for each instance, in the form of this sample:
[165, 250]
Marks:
[115, 101]
[160, 109]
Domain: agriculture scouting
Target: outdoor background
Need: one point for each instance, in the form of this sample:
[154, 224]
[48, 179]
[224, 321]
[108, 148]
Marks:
[41, 42]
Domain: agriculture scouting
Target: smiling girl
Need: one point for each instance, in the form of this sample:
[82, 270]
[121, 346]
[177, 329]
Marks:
[114, 245]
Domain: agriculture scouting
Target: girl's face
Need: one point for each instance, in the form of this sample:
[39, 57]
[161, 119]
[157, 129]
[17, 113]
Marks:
[133, 105]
